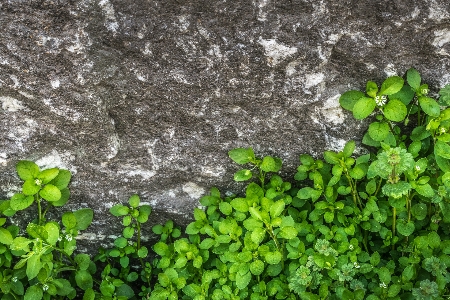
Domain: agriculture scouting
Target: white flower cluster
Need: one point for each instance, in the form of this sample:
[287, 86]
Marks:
[383, 285]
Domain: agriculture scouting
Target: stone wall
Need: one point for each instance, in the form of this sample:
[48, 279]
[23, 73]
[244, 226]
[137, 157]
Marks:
[147, 96]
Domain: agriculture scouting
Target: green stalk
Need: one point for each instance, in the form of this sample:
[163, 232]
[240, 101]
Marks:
[38, 201]
[394, 216]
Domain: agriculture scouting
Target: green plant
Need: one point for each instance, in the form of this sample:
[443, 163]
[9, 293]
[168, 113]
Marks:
[370, 226]
[40, 263]
[374, 226]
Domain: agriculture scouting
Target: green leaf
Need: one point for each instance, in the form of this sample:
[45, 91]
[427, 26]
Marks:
[48, 175]
[30, 187]
[27, 170]
[405, 95]
[34, 265]
[413, 78]
[240, 204]
[83, 261]
[277, 208]
[405, 228]
[128, 232]
[425, 190]
[34, 293]
[20, 201]
[257, 267]
[124, 291]
[242, 155]
[391, 85]
[396, 190]
[348, 99]
[225, 208]
[143, 252]
[83, 279]
[134, 201]
[20, 243]
[331, 157]
[5, 236]
[430, 106]
[161, 249]
[243, 175]
[349, 148]
[65, 194]
[243, 280]
[268, 164]
[89, 294]
[384, 275]
[119, 210]
[378, 131]
[444, 93]
[442, 149]
[124, 261]
[363, 108]
[53, 233]
[273, 258]
[371, 89]
[61, 181]
[419, 133]
[288, 232]
[395, 111]
[121, 242]
[50, 193]
[257, 236]
[84, 218]
[69, 220]
[443, 163]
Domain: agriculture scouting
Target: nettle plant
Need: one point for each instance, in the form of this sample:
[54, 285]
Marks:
[370, 226]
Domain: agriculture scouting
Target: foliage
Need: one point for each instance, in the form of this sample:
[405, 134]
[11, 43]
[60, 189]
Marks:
[369, 226]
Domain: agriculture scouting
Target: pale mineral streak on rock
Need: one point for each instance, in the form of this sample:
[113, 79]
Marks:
[55, 159]
[110, 18]
[193, 190]
[275, 51]
[11, 104]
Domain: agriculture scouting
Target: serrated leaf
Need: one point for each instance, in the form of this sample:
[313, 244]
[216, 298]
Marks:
[268, 164]
[363, 108]
[242, 155]
[83, 279]
[348, 99]
[395, 111]
[119, 210]
[442, 149]
[20, 201]
[378, 131]
[430, 106]
[27, 170]
[405, 95]
[425, 190]
[69, 220]
[396, 190]
[331, 157]
[257, 236]
[277, 208]
[53, 233]
[413, 78]
[405, 228]
[142, 252]
[257, 267]
[225, 208]
[273, 258]
[34, 265]
[391, 85]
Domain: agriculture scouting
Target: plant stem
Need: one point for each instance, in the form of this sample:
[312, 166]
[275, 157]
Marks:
[394, 216]
[38, 201]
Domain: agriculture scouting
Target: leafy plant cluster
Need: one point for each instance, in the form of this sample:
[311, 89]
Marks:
[371, 226]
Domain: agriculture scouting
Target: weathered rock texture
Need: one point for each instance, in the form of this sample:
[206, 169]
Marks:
[147, 96]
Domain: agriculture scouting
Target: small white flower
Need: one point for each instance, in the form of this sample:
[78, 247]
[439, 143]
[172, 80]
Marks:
[68, 237]
[380, 100]
[356, 265]
[38, 182]
[14, 279]
[417, 168]
[351, 247]
[383, 285]
[442, 130]
[59, 238]
[424, 91]
[44, 287]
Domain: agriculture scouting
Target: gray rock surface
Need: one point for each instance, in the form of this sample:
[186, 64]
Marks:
[147, 96]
